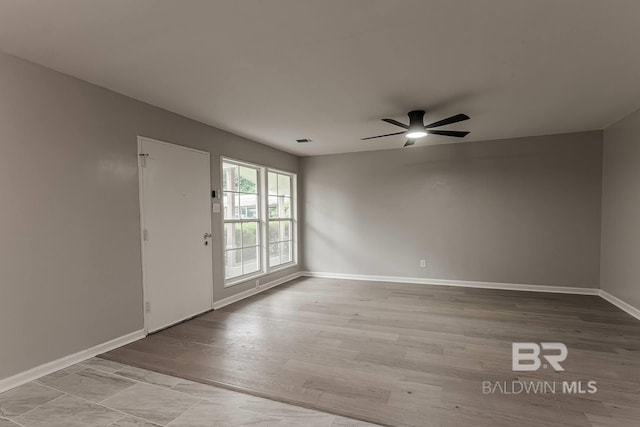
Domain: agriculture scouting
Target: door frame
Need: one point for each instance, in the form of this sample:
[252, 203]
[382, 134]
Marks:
[145, 285]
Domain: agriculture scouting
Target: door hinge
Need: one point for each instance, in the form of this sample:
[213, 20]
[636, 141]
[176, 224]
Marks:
[145, 234]
[143, 159]
[147, 307]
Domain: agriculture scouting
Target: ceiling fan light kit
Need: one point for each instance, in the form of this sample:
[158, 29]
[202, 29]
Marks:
[416, 128]
[415, 134]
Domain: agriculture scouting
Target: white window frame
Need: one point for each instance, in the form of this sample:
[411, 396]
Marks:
[294, 221]
[263, 197]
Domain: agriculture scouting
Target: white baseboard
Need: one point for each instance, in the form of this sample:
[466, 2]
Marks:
[461, 283]
[64, 362]
[250, 292]
[635, 312]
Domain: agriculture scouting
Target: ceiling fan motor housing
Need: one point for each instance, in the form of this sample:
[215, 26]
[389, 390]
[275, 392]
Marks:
[416, 123]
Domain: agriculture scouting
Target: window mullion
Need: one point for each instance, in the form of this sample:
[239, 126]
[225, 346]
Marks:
[264, 223]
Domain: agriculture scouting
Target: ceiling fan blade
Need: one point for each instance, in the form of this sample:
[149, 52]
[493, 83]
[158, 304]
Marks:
[395, 122]
[454, 133]
[449, 120]
[381, 136]
[409, 142]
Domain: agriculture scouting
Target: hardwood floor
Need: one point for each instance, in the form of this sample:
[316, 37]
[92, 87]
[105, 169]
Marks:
[403, 354]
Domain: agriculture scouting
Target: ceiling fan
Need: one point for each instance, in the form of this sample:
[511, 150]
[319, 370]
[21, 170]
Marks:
[416, 128]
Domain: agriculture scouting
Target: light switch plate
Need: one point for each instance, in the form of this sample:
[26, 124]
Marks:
[215, 208]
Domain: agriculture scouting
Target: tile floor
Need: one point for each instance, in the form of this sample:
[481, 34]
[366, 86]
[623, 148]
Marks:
[99, 393]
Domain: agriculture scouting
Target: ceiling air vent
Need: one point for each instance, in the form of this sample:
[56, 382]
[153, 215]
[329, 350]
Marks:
[303, 141]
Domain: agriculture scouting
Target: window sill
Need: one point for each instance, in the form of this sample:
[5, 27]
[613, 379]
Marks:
[244, 279]
[282, 267]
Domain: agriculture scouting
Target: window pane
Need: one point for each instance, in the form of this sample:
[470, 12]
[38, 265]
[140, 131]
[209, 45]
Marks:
[248, 182]
[229, 177]
[232, 236]
[273, 207]
[231, 205]
[248, 206]
[284, 207]
[250, 260]
[284, 185]
[233, 263]
[249, 234]
[285, 230]
[272, 180]
[274, 231]
[287, 254]
[274, 254]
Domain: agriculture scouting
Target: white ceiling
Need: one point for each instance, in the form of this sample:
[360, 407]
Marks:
[277, 70]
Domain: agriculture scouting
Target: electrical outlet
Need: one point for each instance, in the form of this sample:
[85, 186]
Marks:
[423, 263]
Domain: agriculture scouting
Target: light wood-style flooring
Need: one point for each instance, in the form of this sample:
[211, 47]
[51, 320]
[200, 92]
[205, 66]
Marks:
[404, 354]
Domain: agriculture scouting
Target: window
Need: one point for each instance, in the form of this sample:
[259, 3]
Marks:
[281, 224]
[259, 220]
[241, 197]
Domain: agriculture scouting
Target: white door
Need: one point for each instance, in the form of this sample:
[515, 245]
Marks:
[175, 198]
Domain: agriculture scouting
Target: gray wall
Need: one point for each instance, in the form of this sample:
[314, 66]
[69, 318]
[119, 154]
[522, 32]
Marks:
[620, 269]
[521, 211]
[70, 272]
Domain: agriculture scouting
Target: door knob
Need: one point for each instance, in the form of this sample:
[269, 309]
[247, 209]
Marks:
[207, 235]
